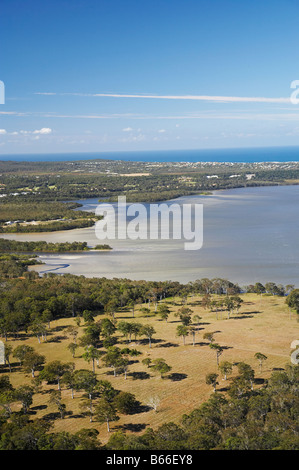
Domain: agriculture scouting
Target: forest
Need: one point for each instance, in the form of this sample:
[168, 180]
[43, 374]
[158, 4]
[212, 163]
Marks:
[9, 246]
[139, 181]
[26, 217]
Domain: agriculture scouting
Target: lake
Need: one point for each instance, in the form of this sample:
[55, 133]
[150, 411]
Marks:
[249, 235]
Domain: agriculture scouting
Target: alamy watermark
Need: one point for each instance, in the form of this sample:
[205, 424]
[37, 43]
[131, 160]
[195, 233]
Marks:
[2, 93]
[295, 95]
[151, 222]
[295, 354]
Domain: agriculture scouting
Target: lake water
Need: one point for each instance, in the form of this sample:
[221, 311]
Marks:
[250, 235]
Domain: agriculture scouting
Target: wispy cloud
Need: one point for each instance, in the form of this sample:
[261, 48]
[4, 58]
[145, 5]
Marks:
[37, 132]
[219, 99]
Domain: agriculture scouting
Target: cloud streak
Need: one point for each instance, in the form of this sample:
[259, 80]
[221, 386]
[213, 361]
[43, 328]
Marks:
[218, 99]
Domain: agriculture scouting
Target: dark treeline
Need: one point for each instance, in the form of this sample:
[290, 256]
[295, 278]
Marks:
[48, 226]
[35, 216]
[39, 211]
[8, 246]
[25, 300]
[146, 188]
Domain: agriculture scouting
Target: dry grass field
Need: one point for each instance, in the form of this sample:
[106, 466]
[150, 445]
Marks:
[262, 325]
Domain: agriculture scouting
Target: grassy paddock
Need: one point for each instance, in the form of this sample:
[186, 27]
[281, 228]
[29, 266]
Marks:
[262, 325]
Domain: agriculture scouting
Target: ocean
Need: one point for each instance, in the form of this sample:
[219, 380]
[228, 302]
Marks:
[247, 155]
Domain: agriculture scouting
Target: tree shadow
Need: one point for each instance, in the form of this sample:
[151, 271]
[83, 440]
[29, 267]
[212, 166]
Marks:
[222, 389]
[56, 339]
[39, 407]
[168, 345]
[153, 341]
[59, 328]
[259, 381]
[139, 375]
[139, 408]
[51, 416]
[138, 427]
[176, 377]
[243, 315]
[194, 303]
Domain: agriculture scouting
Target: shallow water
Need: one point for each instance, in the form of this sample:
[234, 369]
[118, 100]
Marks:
[250, 235]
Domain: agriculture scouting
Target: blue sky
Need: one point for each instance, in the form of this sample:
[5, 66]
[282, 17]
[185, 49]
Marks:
[109, 75]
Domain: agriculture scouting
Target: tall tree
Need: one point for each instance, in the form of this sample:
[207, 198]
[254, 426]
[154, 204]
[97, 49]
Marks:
[261, 358]
[105, 412]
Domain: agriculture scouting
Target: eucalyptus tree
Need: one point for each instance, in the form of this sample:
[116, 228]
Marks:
[154, 402]
[105, 411]
[182, 331]
[128, 329]
[113, 358]
[211, 379]
[69, 380]
[20, 352]
[229, 305]
[146, 311]
[218, 349]
[54, 371]
[24, 394]
[125, 402]
[131, 304]
[292, 300]
[163, 311]
[196, 319]
[105, 390]
[261, 358]
[246, 372]
[111, 307]
[38, 328]
[149, 332]
[91, 335]
[92, 354]
[237, 302]
[184, 314]
[259, 288]
[32, 361]
[225, 368]
[147, 361]
[72, 331]
[209, 335]
[206, 301]
[85, 380]
[160, 366]
[7, 353]
[87, 408]
[47, 317]
[7, 398]
[192, 331]
[7, 394]
[107, 327]
[72, 347]
[56, 399]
